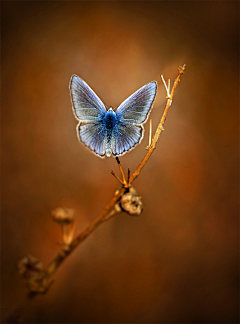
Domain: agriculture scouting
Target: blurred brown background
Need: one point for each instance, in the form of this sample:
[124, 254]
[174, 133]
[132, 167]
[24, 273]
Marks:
[178, 261]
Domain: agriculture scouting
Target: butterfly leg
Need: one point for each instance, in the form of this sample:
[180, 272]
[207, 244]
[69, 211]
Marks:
[118, 179]
[124, 182]
[121, 170]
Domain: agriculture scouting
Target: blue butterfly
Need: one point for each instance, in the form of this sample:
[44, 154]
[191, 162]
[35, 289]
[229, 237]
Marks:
[109, 132]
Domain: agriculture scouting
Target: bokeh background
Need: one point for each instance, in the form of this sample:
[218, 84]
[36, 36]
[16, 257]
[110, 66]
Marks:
[178, 261]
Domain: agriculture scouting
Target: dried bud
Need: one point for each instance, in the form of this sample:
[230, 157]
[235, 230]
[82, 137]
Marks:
[38, 283]
[117, 207]
[63, 215]
[130, 202]
[31, 269]
[66, 219]
[29, 265]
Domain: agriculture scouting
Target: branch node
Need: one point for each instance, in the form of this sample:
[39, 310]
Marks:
[130, 203]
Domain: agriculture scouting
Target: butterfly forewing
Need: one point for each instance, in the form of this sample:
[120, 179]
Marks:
[136, 108]
[86, 104]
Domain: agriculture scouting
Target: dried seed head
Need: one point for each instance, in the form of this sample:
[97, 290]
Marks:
[130, 202]
[63, 215]
[117, 207]
[31, 269]
[39, 283]
[29, 265]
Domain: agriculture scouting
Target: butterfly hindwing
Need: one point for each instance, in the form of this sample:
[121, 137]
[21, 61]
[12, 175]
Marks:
[136, 108]
[125, 137]
[86, 104]
[93, 135]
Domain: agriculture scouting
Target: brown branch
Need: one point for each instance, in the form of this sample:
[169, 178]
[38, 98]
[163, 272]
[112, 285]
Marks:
[51, 269]
[109, 210]
[57, 261]
[160, 128]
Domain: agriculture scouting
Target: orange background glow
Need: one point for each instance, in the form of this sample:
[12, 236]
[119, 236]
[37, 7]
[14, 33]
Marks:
[178, 261]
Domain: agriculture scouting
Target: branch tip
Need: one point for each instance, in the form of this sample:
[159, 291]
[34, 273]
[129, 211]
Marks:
[181, 69]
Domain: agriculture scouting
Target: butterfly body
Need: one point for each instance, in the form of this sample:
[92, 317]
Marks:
[106, 132]
[110, 119]
[109, 123]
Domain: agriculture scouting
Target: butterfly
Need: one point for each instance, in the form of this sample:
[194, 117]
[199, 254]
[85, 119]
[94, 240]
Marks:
[109, 132]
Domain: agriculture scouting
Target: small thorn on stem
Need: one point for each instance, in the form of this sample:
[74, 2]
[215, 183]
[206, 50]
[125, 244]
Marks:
[167, 87]
[150, 133]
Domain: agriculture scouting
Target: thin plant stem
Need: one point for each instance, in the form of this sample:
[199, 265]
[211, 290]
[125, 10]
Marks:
[108, 211]
[57, 261]
[160, 128]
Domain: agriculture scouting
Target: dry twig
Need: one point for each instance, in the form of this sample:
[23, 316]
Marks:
[57, 261]
[125, 195]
